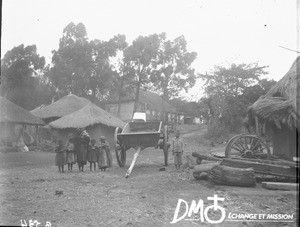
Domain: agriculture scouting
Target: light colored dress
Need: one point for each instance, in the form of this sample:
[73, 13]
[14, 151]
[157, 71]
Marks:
[105, 159]
[177, 148]
[70, 153]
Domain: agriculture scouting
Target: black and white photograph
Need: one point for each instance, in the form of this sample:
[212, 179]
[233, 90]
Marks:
[141, 113]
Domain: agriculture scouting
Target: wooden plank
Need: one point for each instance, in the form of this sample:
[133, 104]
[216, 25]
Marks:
[277, 170]
[280, 186]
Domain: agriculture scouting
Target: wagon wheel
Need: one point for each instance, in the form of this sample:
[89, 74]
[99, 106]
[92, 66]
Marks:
[119, 149]
[247, 146]
[166, 146]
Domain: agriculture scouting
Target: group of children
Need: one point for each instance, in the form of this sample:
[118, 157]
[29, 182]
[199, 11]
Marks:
[87, 150]
[81, 151]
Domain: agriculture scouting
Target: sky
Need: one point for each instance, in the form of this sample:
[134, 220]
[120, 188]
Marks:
[222, 32]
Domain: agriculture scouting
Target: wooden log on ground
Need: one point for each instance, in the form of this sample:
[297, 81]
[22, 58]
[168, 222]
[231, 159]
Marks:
[280, 186]
[200, 171]
[206, 157]
[225, 175]
[264, 168]
[272, 162]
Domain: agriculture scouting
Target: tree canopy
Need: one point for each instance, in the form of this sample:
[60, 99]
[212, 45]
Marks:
[229, 92]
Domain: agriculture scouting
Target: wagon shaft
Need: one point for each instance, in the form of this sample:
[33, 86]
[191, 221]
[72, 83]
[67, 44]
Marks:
[136, 154]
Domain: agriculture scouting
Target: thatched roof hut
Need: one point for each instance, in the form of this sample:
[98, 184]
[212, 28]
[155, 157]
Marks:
[62, 107]
[12, 113]
[91, 117]
[13, 118]
[277, 112]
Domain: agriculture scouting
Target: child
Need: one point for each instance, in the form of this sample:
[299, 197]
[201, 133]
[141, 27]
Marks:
[60, 158]
[105, 159]
[84, 140]
[177, 150]
[70, 153]
[92, 155]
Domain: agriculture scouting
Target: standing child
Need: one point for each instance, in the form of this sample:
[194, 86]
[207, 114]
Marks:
[92, 155]
[105, 159]
[70, 153]
[177, 150]
[60, 158]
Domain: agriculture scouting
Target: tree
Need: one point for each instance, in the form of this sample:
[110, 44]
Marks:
[71, 63]
[229, 92]
[83, 67]
[173, 71]
[139, 59]
[20, 69]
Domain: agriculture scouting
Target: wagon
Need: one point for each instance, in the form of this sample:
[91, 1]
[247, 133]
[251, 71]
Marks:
[140, 135]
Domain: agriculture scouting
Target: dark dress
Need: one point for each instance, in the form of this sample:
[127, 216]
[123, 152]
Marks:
[60, 158]
[82, 149]
[92, 154]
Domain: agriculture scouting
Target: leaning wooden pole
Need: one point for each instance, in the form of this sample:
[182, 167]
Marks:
[136, 154]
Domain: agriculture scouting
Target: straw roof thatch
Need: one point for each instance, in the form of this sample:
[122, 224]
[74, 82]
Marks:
[87, 116]
[10, 112]
[279, 104]
[153, 100]
[64, 106]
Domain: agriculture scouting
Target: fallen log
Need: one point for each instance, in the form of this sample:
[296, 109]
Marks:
[272, 162]
[264, 168]
[280, 186]
[204, 167]
[206, 157]
[225, 175]
[200, 171]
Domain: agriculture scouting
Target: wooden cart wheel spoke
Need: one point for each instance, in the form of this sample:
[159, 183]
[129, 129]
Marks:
[239, 142]
[252, 147]
[237, 148]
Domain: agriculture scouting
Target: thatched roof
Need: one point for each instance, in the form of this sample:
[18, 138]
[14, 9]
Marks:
[87, 116]
[279, 104]
[10, 112]
[153, 100]
[64, 106]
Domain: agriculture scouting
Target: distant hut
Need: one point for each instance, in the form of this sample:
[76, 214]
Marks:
[13, 121]
[95, 120]
[62, 107]
[155, 107]
[276, 114]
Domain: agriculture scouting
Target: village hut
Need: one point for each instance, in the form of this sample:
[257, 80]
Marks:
[155, 107]
[95, 120]
[62, 107]
[13, 122]
[276, 114]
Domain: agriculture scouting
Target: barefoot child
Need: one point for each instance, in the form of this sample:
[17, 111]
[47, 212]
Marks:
[105, 159]
[92, 155]
[60, 158]
[177, 150]
[70, 152]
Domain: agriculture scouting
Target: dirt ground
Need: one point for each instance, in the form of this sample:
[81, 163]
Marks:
[31, 188]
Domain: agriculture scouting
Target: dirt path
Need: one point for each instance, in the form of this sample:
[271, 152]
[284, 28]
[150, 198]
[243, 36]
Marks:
[29, 183]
